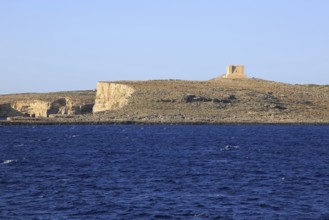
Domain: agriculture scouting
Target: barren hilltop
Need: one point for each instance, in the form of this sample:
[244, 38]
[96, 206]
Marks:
[220, 100]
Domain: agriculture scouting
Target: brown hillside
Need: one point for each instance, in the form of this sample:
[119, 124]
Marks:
[215, 101]
[223, 100]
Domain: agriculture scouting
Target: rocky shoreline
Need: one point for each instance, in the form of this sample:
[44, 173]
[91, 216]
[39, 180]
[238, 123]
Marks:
[152, 122]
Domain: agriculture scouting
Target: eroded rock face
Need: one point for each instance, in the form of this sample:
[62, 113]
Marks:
[111, 96]
[32, 108]
[39, 108]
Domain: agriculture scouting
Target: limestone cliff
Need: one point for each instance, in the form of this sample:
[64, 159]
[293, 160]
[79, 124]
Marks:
[40, 108]
[111, 96]
[32, 108]
[36, 105]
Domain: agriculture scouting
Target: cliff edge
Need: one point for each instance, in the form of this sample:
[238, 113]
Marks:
[111, 96]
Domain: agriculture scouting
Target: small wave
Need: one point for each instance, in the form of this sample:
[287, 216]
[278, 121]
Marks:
[74, 136]
[221, 161]
[8, 161]
[230, 147]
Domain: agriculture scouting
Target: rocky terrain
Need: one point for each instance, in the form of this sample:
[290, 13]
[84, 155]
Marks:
[174, 101]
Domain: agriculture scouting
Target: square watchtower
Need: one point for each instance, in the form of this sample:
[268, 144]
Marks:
[235, 72]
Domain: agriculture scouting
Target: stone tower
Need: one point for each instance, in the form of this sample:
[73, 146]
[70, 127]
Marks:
[235, 72]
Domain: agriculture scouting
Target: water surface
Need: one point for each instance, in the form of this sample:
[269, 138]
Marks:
[164, 172]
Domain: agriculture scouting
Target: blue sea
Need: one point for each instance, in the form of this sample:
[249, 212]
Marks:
[164, 172]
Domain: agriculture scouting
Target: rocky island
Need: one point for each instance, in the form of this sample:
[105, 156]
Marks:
[231, 98]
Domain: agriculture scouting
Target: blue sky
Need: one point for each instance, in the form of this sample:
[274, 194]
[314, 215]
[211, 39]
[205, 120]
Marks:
[71, 44]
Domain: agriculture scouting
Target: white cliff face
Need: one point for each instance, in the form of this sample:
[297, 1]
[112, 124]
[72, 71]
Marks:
[111, 96]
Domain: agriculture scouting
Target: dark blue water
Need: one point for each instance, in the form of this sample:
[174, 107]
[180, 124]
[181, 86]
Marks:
[164, 172]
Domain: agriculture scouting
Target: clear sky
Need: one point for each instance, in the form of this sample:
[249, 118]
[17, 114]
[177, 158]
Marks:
[71, 44]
